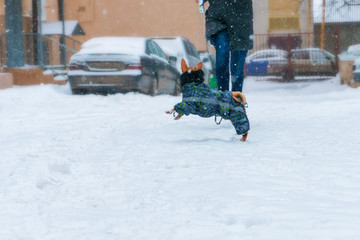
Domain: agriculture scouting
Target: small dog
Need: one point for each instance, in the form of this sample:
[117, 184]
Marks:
[199, 99]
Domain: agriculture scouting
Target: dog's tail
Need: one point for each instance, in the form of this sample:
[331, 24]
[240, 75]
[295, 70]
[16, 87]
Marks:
[239, 97]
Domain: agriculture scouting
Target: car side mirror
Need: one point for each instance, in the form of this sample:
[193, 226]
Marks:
[172, 60]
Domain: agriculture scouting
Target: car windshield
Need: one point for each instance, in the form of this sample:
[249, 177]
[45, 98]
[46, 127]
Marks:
[114, 45]
[170, 46]
[191, 50]
[301, 55]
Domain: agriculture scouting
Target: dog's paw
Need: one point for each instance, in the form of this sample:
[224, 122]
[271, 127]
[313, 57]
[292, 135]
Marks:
[177, 117]
[170, 111]
[240, 138]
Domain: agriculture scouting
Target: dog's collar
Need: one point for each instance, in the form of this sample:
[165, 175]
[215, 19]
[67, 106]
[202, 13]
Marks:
[196, 77]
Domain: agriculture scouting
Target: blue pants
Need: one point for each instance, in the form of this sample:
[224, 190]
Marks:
[221, 42]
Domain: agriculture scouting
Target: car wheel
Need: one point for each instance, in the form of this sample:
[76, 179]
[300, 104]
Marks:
[154, 87]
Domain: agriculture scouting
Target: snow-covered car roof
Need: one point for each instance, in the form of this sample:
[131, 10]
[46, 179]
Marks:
[307, 49]
[271, 50]
[114, 45]
[280, 54]
[351, 54]
[354, 48]
[265, 51]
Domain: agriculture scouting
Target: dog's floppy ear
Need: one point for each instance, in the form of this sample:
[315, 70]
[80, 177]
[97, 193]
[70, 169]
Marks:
[199, 66]
[184, 66]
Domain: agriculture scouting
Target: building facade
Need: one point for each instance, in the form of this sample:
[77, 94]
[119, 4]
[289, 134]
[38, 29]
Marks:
[162, 17]
[158, 18]
[282, 24]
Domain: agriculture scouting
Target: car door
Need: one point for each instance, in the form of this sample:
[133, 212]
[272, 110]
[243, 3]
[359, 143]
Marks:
[257, 64]
[321, 62]
[167, 75]
[301, 63]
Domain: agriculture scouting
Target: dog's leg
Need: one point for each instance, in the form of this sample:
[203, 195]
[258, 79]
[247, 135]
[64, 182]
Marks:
[244, 137]
[170, 111]
[177, 117]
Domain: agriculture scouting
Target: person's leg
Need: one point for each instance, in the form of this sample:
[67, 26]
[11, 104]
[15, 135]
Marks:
[237, 69]
[220, 41]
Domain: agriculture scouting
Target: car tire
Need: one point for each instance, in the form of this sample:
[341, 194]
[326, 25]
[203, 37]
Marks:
[154, 87]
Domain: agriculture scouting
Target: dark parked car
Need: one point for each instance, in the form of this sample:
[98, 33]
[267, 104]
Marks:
[122, 64]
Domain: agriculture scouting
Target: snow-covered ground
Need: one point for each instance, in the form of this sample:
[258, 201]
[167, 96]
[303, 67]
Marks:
[117, 167]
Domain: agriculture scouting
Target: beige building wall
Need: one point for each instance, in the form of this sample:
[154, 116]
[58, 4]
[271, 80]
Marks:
[51, 9]
[2, 9]
[284, 15]
[138, 18]
[288, 16]
[281, 17]
[162, 17]
[261, 16]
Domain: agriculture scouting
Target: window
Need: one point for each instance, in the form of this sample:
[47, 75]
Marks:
[151, 48]
[160, 52]
[301, 55]
[190, 49]
[319, 57]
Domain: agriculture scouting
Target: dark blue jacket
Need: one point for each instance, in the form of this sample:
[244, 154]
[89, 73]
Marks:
[234, 15]
[199, 99]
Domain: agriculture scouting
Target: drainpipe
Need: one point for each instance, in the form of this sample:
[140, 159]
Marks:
[39, 36]
[337, 47]
[62, 37]
[14, 34]
[35, 30]
[309, 23]
[322, 26]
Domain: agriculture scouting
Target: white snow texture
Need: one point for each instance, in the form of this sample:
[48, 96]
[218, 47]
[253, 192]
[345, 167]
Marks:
[117, 167]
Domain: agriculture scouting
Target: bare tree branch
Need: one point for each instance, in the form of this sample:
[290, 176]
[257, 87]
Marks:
[342, 3]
